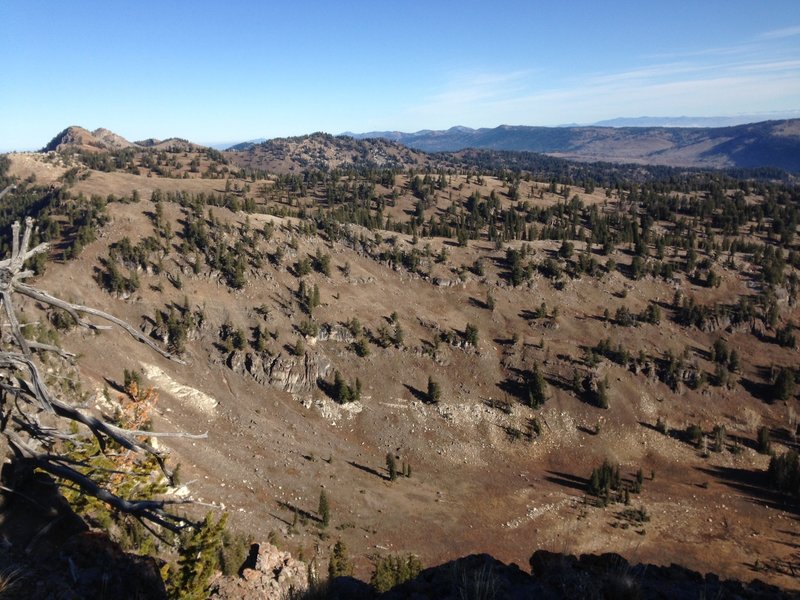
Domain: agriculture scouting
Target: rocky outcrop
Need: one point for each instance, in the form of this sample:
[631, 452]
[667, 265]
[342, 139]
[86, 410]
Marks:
[293, 374]
[335, 333]
[715, 323]
[271, 574]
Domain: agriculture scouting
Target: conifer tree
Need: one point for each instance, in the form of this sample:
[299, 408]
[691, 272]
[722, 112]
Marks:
[324, 510]
[341, 391]
[764, 441]
[339, 564]
[198, 560]
[434, 391]
[537, 388]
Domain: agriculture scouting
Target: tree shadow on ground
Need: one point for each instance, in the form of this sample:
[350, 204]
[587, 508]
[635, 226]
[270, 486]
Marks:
[369, 470]
[568, 480]
[757, 389]
[302, 513]
[478, 303]
[417, 393]
[754, 485]
[512, 386]
[503, 406]
[784, 436]
[117, 387]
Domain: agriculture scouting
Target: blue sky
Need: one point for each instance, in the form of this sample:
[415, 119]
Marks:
[232, 70]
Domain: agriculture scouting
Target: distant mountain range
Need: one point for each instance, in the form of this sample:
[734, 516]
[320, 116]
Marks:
[695, 121]
[765, 144]
[754, 145]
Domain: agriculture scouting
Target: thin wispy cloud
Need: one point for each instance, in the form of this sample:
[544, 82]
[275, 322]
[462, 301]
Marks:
[714, 81]
[480, 87]
[782, 65]
[657, 89]
[658, 71]
[777, 34]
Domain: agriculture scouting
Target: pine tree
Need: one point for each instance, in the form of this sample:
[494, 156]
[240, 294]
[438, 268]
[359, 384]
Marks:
[324, 511]
[471, 334]
[537, 388]
[602, 393]
[341, 391]
[434, 392]
[764, 441]
[198, 560]
[357, 390]
[315, 298]
[339, 564]
[784, 385]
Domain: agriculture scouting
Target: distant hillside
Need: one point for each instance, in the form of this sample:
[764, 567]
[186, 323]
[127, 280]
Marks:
[83, 139]
[241, 145]
[695, 121]
[322, 151]
[766, 144]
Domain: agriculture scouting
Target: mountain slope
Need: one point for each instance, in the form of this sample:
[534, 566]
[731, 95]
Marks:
[766, 144]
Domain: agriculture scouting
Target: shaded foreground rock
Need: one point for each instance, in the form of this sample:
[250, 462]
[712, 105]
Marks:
[556, 576]
[48, 552]
[611, 576]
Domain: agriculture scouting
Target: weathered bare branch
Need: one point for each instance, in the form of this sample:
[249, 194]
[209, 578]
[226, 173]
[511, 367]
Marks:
[26, 241]
[43, 247]
[162, 434]
[14, 241]
[16, 330]
[75, 309]
[8, 189]
[50, 348]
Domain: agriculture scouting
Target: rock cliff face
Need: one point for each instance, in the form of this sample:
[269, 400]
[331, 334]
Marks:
[289, 373]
